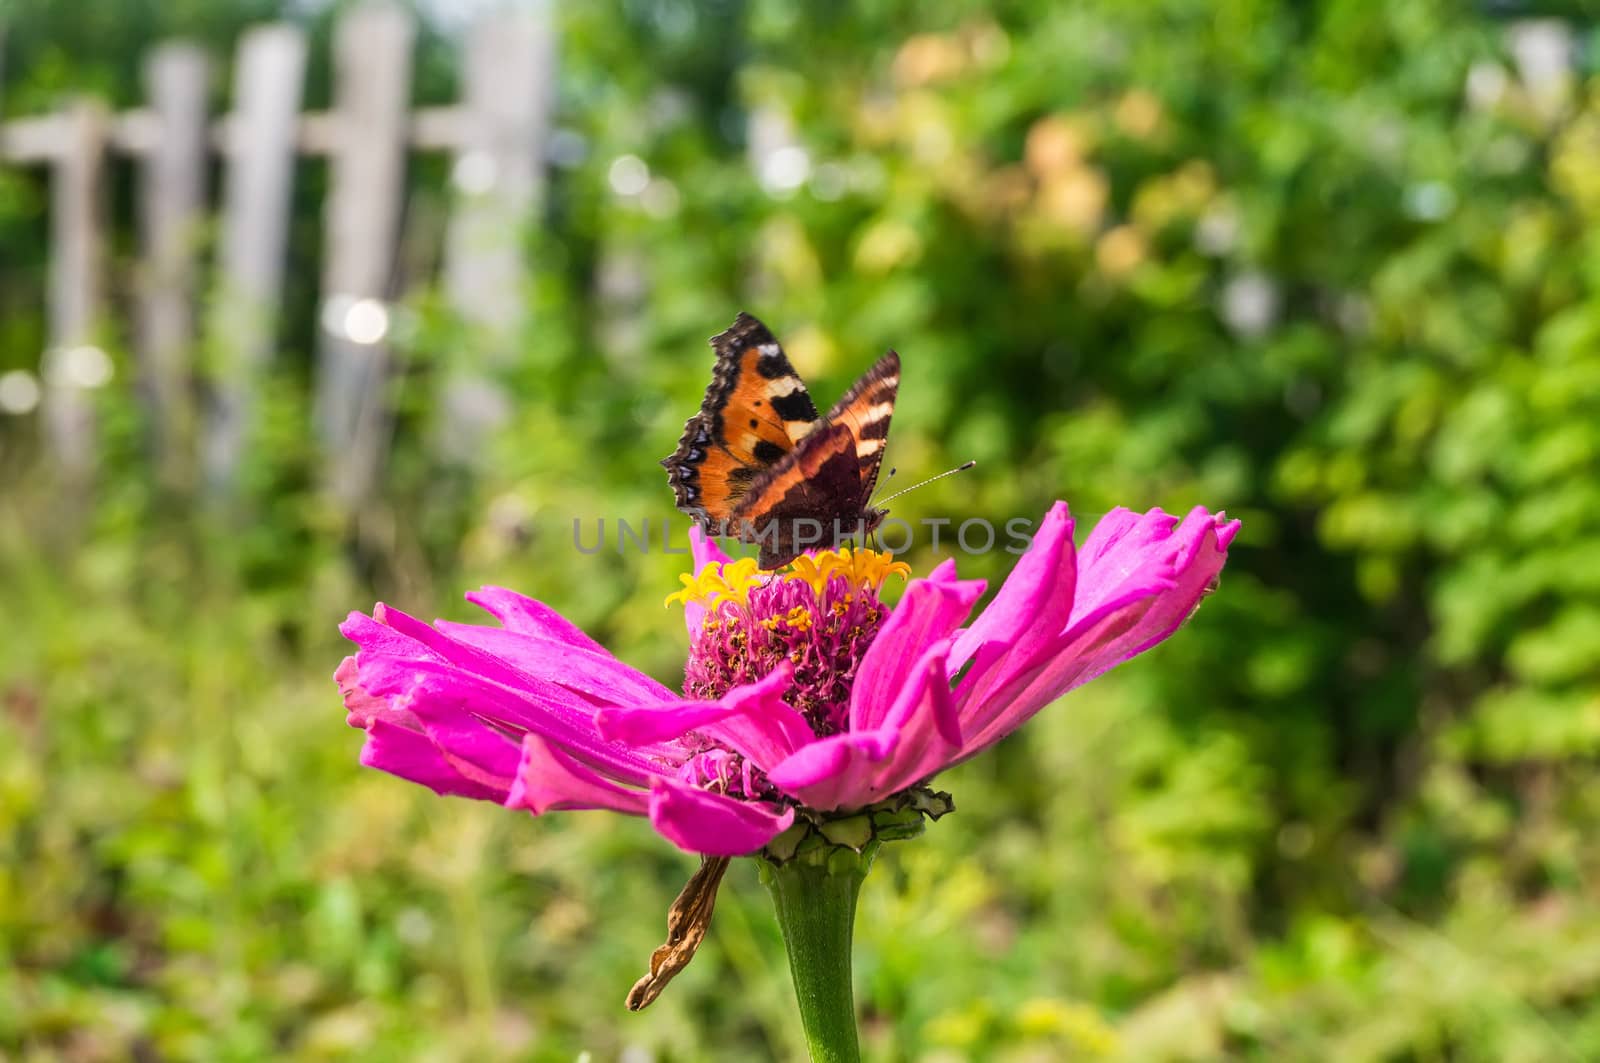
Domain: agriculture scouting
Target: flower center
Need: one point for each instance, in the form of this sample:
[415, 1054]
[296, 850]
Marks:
[821, 614]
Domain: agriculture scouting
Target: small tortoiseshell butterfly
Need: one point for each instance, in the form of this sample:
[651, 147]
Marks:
[758, 464]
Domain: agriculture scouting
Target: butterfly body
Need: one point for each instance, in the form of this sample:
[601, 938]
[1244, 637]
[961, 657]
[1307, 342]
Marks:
[759, 464]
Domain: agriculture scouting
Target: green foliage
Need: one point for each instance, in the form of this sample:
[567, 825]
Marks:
[1331, 266]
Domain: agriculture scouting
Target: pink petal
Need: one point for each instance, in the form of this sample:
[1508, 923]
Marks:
[704, 822]
[505, 694]
[920, 736]
[1035, 601]
[373, 636]
[1113, 527]
[1125, 548]
[467, 703]
[930, 611]
[548, 779]
[1140, 605]
[705, 549]
[410, 755]
[484, 753]
[506, 714]
[753, 720]
[929, 732]
[525, 616]
[833, 772]
[597, 675]
[361, 708]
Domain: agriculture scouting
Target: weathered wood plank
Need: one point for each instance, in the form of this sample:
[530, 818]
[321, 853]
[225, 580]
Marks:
[172, 189]
[372, 89]
[430, 129]
[439, 128]
[34, 140]
[73, 364]
[259, 147]
[508, 87]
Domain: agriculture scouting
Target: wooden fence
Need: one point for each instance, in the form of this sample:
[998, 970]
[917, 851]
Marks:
[496, 134]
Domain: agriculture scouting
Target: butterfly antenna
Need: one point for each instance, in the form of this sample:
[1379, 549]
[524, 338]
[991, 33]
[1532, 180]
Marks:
[948, 472]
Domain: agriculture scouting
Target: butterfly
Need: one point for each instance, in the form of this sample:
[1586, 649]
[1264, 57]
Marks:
[758, 464]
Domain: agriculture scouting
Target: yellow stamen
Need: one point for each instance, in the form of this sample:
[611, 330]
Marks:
[733, 581]
[810, 570]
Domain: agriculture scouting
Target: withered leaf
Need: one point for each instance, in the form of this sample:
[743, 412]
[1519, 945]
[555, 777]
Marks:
[687, 922]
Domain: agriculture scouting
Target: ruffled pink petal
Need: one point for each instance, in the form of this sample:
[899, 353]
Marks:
[929, 729]
[1035, 601]
[361, 707]
[473, 703]
[704, 549]
[988, 689]
[1114, 527]
[930, 611]
[596, 675]
[410, 755]
[1125, 546]
[833, 772]
[920, 735]
[704, 822]
[504, 694]
[1140, 605]
[519, 613]
[484, 753]
[548, 779]
[372, 635]
[752, 720]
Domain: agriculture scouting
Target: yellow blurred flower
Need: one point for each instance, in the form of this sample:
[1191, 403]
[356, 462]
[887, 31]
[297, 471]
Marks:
[1139, 114]
[786, 251]
[888, 244]
[928, 57]
[986, 43]
[1120, 251]
[1005, 190]
[1075, 198]
[1077, 1024]
[811, 350]
[1055, 143]
[1183, 193]
[1575, 161]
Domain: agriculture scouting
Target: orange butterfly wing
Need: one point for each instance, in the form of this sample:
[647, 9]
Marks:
[755, 410]
[758, 463]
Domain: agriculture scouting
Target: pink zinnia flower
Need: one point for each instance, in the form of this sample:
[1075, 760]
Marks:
[805, 690]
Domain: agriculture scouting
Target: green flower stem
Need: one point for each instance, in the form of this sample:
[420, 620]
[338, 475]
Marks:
[814, 872]
[816, 904]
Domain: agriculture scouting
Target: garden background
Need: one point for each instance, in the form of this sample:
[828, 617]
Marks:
[1333, 267]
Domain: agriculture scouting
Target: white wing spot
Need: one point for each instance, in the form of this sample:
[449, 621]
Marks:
[877, 413]
[784, 385]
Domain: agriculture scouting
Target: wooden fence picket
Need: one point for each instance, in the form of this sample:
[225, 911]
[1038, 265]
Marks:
[508, 79]
[172, 203]
[77, 235]
[372, 95]
[258, 142]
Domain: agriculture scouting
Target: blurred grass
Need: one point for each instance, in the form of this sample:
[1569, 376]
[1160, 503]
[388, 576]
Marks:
[195, 868]
[1328, 265]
